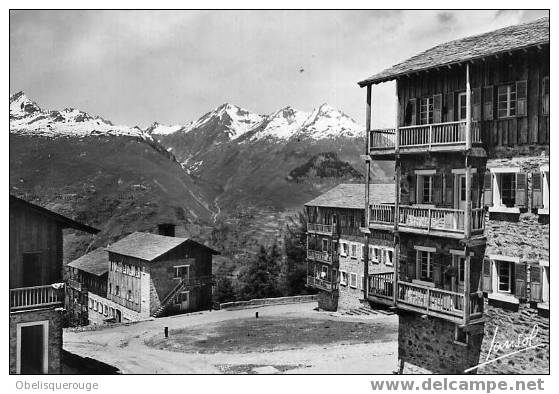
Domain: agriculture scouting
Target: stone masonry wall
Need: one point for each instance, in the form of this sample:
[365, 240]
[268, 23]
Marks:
[427, 345]
[327, 301]
[54, 338]
[502, 325]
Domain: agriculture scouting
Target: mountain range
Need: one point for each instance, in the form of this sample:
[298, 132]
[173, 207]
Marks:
[230, 160]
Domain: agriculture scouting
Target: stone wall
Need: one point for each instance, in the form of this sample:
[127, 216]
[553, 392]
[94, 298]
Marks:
[55, 322]
[427, 345]
[328, 301]
[502, 325]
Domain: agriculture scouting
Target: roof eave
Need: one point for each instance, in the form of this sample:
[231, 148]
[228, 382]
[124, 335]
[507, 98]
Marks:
[375, 81]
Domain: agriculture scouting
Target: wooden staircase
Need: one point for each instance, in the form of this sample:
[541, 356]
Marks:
[183, 284]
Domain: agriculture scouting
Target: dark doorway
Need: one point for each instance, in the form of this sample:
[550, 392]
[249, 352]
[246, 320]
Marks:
[32, 269]
[118, 316]
[32, 348]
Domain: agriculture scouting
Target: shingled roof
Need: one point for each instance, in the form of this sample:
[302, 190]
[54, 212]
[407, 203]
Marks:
[352, 196]
[95, 262]
[148, 246]
[470, 48]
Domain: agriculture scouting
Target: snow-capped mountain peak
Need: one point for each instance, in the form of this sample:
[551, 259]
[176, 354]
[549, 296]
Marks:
[26, 117]
[235, 121]
[282, 124]
[329, 122]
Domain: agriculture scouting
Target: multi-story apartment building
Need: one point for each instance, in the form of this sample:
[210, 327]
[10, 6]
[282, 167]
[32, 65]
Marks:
[87, 275]
[36, 286]
[153, 275]
[471, 213]
[336, 246]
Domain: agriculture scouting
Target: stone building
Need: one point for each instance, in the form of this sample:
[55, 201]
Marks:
[336, 246]
[471, 214]
[87, 278]
[153, 275]
[37, 287]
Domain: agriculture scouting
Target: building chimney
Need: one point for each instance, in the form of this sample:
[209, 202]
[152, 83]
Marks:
[166, 229]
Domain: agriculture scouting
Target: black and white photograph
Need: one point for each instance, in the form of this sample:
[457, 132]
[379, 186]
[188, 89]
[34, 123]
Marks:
[297, 191]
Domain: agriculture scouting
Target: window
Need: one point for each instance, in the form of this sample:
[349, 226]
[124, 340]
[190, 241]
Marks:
[106, 310]
[362, 282]
[110, 288]
[389, 254]
[343, 278]
[375, 254]
[504, 273]
[181, 271]
[344, 248]
[136, 271]
[353, 251]
[463, 188]
[462, 106]
[90, 304]
[181, 297]
[324, 272]
[96, 306]
[353, 280]
[117, 290]
[545, 96]
[325, 245]
[129, 295]
[425, 188]
[426, 110]
[506, 101]
[424, 261]
[508, 189]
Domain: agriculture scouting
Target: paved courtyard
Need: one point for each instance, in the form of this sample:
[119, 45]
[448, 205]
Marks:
[291, 338]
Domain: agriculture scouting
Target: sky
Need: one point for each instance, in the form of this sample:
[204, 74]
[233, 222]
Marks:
[138, 67]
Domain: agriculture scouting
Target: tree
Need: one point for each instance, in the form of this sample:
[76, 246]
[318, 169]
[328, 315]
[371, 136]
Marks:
[224, 291]
[260, 278]
[294, 275]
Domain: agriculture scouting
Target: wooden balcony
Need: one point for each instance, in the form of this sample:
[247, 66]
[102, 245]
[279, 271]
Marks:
[324, 257]
[317, 228]
[426, 220]
[36, 297]
[381, 288]
[74, 284]
[436, 137]
[322, 284]
[439, 303]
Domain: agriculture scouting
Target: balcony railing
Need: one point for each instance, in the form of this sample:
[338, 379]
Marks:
[427, 219]
[382, 285]
[74, 284]
[320, 256]
[444, 136]
[323, 284]
[431, 299]
[329, 229]
[36, 297]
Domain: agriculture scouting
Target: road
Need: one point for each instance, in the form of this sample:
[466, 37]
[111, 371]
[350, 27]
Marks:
[125, 348]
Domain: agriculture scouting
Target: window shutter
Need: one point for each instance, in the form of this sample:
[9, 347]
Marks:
[487, 276]
[412, 114]
[488, 103]
[437, 189]
[488, 189]
[521, 92]
[537, 197]
[520, 200]
[410, 265]
[535, 283]
[363, 252]
[437, 108]
[475, 189]
[412, 189]
[449, 106]
[437, 262]
[449, 189]
[545, 96]
[520, 280]
[476, 104]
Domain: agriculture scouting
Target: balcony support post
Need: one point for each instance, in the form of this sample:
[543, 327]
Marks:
[468, 211]
[468, 110]
[367, 181]
[397, 129]
[467, 286]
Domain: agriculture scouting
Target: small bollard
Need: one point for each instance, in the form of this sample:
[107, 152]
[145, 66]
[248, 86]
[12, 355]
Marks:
[257, 315]
[166, 332]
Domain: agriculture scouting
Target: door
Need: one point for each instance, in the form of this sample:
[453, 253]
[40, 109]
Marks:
[460, 201]
[184, 299]
[32, 270]
[118, 316]
[32, 347]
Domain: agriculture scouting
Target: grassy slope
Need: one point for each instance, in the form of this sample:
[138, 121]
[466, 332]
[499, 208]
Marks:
[117, 184]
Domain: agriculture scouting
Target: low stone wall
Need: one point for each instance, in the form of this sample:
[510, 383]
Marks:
[328, 301]
[97, 327]
[269, 301]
